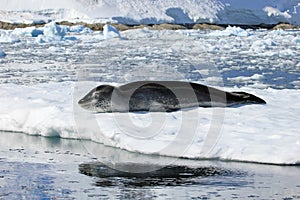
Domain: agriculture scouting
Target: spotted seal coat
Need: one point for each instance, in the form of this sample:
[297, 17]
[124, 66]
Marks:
[161, 96]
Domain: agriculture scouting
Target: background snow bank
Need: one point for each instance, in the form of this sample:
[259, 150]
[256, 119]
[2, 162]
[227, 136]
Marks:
[260, 133]
[257, 12]
[148, 11]
[54, 33]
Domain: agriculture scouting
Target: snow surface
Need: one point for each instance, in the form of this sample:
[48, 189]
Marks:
[149, 11]
[263, 133]
[40, 91]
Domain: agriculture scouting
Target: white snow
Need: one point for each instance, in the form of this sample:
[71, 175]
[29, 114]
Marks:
[27, 17]
[275, 12]
[263, 133]
[149, 11]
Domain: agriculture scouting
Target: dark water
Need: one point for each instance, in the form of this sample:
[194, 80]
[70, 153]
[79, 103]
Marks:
[210, 182]
[33, 167]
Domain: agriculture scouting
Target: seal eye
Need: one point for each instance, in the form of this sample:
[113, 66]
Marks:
[99, 88]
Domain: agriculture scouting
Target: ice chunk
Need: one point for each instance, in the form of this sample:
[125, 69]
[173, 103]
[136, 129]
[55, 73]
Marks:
[2, 53]
[270, 42]
[29, 31]
[54, 30]
[110, 32]
[79, 29]
[297, 39]
[7, 37]
[231, 31]
[36, 32]
[260, 46]
[54, 33]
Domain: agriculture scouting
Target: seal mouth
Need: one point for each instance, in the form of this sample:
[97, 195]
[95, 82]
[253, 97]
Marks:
[91, 104]
[86, 103]
[87, 100]
[81, 101]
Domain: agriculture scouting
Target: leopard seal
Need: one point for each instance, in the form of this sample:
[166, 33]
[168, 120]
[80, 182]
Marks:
[161, 96]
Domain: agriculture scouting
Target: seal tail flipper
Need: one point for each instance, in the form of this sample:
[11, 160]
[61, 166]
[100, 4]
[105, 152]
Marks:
[249, 98]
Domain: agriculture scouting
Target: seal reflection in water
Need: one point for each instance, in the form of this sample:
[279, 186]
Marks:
[161, 96]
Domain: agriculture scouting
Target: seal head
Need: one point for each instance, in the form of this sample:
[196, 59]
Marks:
[98, 99]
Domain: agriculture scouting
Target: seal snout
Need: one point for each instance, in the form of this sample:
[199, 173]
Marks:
[87, 101]
[84, 103]
[81, 101]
